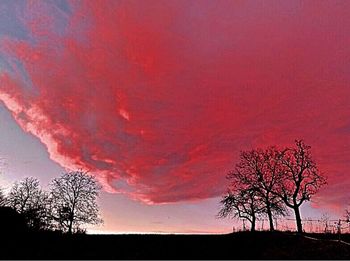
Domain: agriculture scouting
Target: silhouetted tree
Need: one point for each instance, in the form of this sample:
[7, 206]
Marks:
[258, 170]
[2, 198]
[40, 217]
[74, 196]
[325, 221]
[29, 200]
[245, 204]
[300, 178]
[347, 215]
[11, 222]
[23, 194]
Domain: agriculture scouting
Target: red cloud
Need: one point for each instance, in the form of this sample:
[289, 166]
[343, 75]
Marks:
[157, 98]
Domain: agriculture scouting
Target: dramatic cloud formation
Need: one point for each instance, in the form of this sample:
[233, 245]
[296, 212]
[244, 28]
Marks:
[158, 97]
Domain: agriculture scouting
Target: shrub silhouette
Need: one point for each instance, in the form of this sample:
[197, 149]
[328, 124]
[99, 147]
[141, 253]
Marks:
[11, 222]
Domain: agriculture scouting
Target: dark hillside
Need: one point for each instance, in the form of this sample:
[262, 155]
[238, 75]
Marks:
[259, 245]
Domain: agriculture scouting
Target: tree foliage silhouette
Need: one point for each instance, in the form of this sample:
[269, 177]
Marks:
[29, 200]
[258, 170]
[2, 198]
[347, 216]
[74, 196]
[11, 222]
[245, 204]
[2, 195]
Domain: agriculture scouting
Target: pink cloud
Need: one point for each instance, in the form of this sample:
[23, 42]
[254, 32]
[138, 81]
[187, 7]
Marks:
[158, 98]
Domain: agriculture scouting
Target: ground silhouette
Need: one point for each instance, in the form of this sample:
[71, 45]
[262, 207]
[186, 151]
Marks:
[241, 245]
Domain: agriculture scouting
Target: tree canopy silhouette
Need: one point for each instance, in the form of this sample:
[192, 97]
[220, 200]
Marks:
[347, 215]
[11, 222]
[74, 196]
[258, 171]
[2, 198]
[300, 178]
[268, 181]
[245, 204]
[29, 200]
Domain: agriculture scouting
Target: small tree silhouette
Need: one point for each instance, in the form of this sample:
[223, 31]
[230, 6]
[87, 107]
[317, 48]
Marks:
[347, 216]
[74, 196]
[2, 198]
[245, 204]
[325, 221]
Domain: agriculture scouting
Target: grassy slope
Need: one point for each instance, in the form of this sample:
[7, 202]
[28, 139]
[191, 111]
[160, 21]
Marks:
[260, 245]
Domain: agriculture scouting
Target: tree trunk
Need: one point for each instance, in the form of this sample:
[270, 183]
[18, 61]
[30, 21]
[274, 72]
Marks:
[298, 220]
[71, 219]
[269, 213]
[252, 229]
[70, 226]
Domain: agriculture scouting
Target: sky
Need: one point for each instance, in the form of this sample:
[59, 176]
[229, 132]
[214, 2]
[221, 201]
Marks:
[157, 98]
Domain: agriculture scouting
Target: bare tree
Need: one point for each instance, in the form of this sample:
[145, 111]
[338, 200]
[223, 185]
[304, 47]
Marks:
[39, 217]
[74, 196]
[244, 204]
[325, 221]
[29, 200]
[2, 198]
[300, 178]
[347, 216]
[259, 170]
[23, 194]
